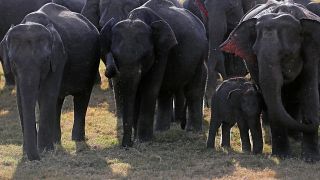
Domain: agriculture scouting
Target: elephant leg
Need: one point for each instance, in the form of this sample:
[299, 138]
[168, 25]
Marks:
[256, 135]
[280, 141]
[146, 116]
[21, 117]
[80, 109]
[194, 97]
[180, 109]
[226, 127]
[211, 84]
[136, 115]
[56, 125]
[266, 128]
[48, 114]
[244, 135]
[215, 123]
[164, 112]
[310, 149]
[9, 78]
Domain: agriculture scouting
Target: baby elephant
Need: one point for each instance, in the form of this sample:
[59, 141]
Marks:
[237, 101]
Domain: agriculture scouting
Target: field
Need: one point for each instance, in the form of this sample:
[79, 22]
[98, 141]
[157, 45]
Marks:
[175, 154]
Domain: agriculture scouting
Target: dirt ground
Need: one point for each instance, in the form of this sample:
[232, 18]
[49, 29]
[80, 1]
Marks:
[175, 154]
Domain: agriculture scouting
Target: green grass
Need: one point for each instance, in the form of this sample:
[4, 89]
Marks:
[175, 154]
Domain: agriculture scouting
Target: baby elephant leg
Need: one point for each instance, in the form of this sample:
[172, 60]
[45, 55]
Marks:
[256, 135]
[244, 135]
[226, 127]
[215, 123]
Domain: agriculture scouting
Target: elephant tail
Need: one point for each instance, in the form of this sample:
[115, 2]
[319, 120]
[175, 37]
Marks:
[112, 69]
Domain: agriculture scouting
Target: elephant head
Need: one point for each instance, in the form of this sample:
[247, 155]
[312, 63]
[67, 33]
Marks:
[31, 52]
[139, 46]
[280, 50]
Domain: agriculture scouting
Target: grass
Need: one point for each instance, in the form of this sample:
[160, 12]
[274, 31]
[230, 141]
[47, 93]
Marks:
[174, 154]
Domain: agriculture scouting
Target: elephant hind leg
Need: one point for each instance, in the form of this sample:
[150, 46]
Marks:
[165, 110]
[81, 102]
[226, 127]
[180, 109]
[56, 125]
[280, 141]
[244, 135]
[215, 123]
[194, 93]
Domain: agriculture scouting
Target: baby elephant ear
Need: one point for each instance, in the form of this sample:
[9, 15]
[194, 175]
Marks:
[58, 53]
[241, 40]
[163, 35]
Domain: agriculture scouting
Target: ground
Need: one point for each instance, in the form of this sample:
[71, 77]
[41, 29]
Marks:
[175, 154]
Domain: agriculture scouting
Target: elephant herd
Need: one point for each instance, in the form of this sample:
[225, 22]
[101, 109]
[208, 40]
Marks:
[163, 60]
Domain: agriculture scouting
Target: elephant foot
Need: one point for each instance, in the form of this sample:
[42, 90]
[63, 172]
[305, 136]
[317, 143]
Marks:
[194, 128]
[144, 139]
[33, 156]
[210, 145]
[183, 125]
[310, 158]
[282, 155]
[47, 147]
[257, 150]
[78, 138]
[127, 142]
[162, 128]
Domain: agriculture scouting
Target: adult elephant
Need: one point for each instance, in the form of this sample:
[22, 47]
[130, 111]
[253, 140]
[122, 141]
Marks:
[154, 61]
[72, 5]
[280, 44]
[53, 53]
[12, 12]
[223, 17]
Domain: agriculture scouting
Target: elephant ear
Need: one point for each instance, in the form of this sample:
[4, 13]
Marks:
[163, 36]
[240, 43]
[241, 40]
[58, 53]
[4, 53]
[106, 36]
[311, 41]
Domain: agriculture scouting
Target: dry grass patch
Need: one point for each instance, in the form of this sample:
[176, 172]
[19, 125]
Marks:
[175, 154]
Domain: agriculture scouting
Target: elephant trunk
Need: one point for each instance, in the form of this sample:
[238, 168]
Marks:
[27, 88]
[126, 88]
[271, 81]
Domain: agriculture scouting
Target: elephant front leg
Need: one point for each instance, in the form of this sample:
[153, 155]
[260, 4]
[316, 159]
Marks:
[165, 110]
[194, 97]
[256, 135]
[47, 106]
[56, 126]
[80, 109]
[244, 135]
[146, 116]
[280, 141]
[215, 123]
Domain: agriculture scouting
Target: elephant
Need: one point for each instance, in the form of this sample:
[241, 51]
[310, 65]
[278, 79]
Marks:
[53, 53]
[280, 44]
[197, 8]
[12, 12]
[72, 5]
[222, 19]
[237, 100]
[314, 7]
[153, 60]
